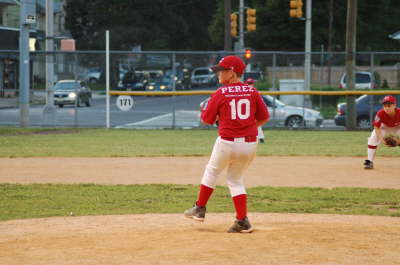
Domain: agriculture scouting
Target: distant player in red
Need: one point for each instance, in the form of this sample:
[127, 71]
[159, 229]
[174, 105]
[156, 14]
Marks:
[239, 109]
[260, 136]
[387, 121]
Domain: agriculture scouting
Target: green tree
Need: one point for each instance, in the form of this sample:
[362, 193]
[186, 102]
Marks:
[155, 25]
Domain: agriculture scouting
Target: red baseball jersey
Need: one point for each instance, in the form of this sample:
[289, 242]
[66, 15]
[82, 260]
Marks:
[390, 121]
[237, 106]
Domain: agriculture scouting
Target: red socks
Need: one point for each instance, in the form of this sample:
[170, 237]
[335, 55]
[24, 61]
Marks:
[240, 202]
[204, 194]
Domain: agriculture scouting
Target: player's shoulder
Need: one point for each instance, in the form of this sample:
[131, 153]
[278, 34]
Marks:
[381, 112]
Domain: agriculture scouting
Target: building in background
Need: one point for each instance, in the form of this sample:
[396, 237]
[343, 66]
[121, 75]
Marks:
[9, 44]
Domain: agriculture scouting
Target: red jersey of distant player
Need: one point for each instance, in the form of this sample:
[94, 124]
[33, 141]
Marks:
[389, 121]
[237, 107]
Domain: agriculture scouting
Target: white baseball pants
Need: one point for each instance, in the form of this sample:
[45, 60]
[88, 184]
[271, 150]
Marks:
[235, 156]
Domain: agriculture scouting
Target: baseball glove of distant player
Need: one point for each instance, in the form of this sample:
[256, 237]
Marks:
[391, 141]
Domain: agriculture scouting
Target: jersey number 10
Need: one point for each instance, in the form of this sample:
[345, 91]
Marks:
[237, 110]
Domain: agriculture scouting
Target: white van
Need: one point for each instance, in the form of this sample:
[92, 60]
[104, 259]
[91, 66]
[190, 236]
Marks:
[364, 80]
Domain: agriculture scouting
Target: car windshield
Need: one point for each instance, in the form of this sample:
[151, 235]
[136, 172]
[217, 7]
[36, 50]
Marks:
[254, 75]
[361, 78]
[270, 99]
[361, 98]
[65, 86]
[202, 72]
[166, 79]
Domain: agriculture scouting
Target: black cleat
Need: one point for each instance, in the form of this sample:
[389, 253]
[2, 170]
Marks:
[368, 164]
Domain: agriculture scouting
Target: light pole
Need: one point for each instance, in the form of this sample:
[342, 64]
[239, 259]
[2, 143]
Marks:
[307, 77]
[27, 18]
[49, 109]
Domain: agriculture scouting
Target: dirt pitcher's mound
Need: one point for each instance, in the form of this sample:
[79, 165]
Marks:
[171, 239]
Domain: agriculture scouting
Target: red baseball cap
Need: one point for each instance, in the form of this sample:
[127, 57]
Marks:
[249, 81]
[389, 99]
[231, 62]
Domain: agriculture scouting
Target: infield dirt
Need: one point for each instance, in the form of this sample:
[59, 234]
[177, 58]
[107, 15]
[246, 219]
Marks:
[171, 239]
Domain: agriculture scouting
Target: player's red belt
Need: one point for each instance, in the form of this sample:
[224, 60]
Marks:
[248, 139]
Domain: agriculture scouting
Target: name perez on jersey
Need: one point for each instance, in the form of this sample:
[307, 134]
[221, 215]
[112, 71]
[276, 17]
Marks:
[233, 89]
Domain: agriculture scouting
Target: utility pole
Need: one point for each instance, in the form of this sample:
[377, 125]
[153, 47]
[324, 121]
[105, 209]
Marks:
[227, 32]
[351, 27]
[330, 29]
[27, 18]
[241, 25]
[307, 77]
[49, 109]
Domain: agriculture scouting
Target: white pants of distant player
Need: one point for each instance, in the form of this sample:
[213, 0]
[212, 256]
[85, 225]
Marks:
[234, 156]
[260, 134]
[373, 140]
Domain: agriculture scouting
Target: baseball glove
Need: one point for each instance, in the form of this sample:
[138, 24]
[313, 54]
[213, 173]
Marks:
[391, 141]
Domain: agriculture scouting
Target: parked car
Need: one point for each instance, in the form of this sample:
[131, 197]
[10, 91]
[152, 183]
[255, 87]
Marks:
[132, 81]
[292, 116]
[363, 80]
[163, 83]
[93, 75]
[256, 76]
[363, 107]
[203, 76]
[138, 80]
[288, 116]
[69, 92]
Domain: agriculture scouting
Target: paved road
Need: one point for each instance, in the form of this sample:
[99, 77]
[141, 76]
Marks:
[147, 112]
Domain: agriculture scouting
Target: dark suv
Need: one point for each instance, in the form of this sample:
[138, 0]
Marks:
[363, 104]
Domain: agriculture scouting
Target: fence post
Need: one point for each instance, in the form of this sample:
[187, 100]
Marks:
[174, 89]
[371, 101]
[107, 79]
[274, 71]
[76, 64]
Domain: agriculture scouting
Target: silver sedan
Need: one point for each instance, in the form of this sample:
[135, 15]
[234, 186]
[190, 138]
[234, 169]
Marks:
[291, 116]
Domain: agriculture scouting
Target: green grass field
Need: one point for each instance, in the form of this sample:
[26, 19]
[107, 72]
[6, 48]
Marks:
[15, 142]
[43, 200]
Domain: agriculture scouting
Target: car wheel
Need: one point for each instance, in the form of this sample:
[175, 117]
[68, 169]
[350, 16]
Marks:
[294, 122]
[364, 123]
[88, 102]
[60, 105]
[92, 81]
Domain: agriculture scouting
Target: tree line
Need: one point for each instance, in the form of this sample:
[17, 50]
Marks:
[199, 25]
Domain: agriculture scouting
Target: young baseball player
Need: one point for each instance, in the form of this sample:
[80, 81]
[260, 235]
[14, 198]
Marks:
[387, 122]
[239, 109]
[260, 135]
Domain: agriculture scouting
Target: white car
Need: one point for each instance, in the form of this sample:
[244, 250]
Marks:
[71, 92]
[283, 115]
[363, 80]
[291, 116]
[203, 76]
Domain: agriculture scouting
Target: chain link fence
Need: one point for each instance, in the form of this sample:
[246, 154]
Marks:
[77, 89]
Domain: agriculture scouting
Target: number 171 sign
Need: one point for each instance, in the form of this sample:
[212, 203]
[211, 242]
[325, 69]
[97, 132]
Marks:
[124, 103]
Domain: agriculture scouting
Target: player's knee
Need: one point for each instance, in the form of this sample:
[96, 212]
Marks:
[236, 188]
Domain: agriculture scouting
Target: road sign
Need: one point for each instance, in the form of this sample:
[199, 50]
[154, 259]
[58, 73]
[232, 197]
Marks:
[124, 103]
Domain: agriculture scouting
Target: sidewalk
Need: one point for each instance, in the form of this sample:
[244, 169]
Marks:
[39, 97]
[8, 102]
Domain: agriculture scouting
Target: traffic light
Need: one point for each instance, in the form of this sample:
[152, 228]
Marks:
[247, 55]
[251, 19]
[234, 25]
[296, 8]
